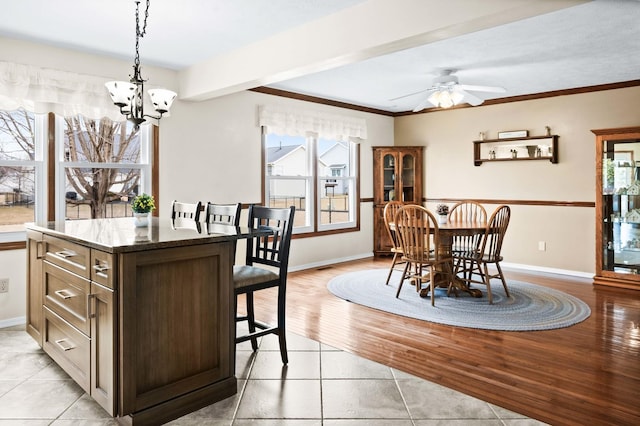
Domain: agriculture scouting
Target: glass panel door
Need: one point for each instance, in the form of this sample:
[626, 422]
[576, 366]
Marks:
[408, 178]
[389, 177]
[621, 206]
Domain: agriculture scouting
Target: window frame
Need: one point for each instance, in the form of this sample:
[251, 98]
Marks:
[48, 206]
[314, 189]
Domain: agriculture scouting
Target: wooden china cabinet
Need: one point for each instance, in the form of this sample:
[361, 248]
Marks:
[397, 175]
[618, 207]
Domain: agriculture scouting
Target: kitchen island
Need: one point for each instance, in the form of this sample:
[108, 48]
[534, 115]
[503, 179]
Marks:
[141, 318]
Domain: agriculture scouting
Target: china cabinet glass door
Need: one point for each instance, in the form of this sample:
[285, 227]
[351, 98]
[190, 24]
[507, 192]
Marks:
[389, 177]
[408, 178]
[621, 206]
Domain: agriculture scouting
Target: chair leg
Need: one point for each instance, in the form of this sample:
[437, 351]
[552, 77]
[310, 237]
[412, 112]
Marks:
[432, 285]
[504, 283]
[393, 264]
[282, 338]
[487, 281]
[404, 273]
[251, 320]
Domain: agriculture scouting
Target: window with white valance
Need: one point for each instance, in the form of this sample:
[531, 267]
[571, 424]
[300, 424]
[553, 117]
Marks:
[296, 122]
[311, 161]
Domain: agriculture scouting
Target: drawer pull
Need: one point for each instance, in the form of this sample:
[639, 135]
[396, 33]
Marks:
[64, 294]
[66, 253]
[64, 345]
[101, 268]
[39, 250]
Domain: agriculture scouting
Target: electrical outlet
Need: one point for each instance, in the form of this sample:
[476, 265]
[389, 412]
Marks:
[4, 285]
[542, 246]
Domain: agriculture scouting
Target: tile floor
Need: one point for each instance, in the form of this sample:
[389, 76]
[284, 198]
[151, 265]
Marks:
[320, 386]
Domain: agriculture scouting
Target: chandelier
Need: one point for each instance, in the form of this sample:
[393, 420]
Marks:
[128, 95]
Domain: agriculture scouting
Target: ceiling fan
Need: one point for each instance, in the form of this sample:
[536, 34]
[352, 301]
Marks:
[446, 91]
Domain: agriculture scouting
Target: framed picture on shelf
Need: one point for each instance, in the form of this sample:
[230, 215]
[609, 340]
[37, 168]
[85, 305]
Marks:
[513, 134]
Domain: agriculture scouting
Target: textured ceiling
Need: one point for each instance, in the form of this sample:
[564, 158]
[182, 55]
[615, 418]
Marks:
[588, 44]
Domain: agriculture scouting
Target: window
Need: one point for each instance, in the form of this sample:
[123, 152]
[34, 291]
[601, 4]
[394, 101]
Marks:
[100, 165]
[104, 165]
[22, 136]
[316, 175]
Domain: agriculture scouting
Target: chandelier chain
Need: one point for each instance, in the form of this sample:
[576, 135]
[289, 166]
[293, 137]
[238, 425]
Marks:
[140, 33]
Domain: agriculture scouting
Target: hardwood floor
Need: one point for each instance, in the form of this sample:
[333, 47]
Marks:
[585, 374]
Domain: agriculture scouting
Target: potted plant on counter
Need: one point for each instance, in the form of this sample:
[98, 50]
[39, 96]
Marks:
[142, 206]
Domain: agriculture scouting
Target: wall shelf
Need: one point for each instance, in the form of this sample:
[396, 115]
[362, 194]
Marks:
[516, 149]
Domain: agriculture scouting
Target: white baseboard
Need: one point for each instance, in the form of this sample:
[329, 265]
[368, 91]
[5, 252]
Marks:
[533, 268]
[11, 322]
[505, 265]
[329, 262]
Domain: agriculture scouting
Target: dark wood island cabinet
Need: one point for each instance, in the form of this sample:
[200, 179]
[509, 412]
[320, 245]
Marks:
[141, 318]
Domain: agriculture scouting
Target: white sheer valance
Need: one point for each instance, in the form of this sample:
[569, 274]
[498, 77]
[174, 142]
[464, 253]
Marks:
[43, 90]
[295, 122]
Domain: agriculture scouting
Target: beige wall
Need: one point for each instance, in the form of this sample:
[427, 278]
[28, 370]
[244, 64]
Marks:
[569, 232]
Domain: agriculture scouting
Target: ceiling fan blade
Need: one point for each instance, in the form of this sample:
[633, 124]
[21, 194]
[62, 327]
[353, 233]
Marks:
[422, 105]
[411, 94]
[472, 100]
[482, 88]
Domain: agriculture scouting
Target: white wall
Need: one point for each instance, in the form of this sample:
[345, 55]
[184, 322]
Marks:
[13, 265]
[569, 232]
[211, 151]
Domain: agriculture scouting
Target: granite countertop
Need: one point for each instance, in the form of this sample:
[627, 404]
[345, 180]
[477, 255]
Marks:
[119, 235]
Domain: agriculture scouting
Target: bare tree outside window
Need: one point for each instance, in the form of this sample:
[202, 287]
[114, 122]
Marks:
[107, 147]
[17, 171]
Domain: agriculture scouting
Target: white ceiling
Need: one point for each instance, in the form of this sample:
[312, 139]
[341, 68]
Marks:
[588, 44]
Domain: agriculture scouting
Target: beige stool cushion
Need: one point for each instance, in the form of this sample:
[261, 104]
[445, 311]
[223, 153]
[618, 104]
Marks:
[244, 275]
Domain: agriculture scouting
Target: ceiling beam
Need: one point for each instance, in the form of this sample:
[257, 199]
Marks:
[366, 30]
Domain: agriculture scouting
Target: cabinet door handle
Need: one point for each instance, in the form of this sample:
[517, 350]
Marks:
[64, 294]
[39, 249]
[101, 268]
[64, 345]
[66, 253]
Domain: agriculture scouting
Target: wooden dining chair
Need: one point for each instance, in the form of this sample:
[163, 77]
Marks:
[488, 252]
[267, 259]
[390, 210]
[463, 245]
[186, 210]
[224, 214]
[419, 237]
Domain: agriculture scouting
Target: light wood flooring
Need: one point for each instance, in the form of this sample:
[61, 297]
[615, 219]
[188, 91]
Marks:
[587, 374]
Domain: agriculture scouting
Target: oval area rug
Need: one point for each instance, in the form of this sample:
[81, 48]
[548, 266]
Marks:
[531, 307]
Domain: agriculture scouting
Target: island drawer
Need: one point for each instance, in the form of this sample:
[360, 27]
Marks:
[67, 295]
[68, 255]
[102, 268]
[68, 347]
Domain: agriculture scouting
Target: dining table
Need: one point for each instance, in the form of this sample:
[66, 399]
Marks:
[447, 231]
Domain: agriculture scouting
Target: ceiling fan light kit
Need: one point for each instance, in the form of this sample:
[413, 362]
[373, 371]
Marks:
[445, 98]
[446, 91]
